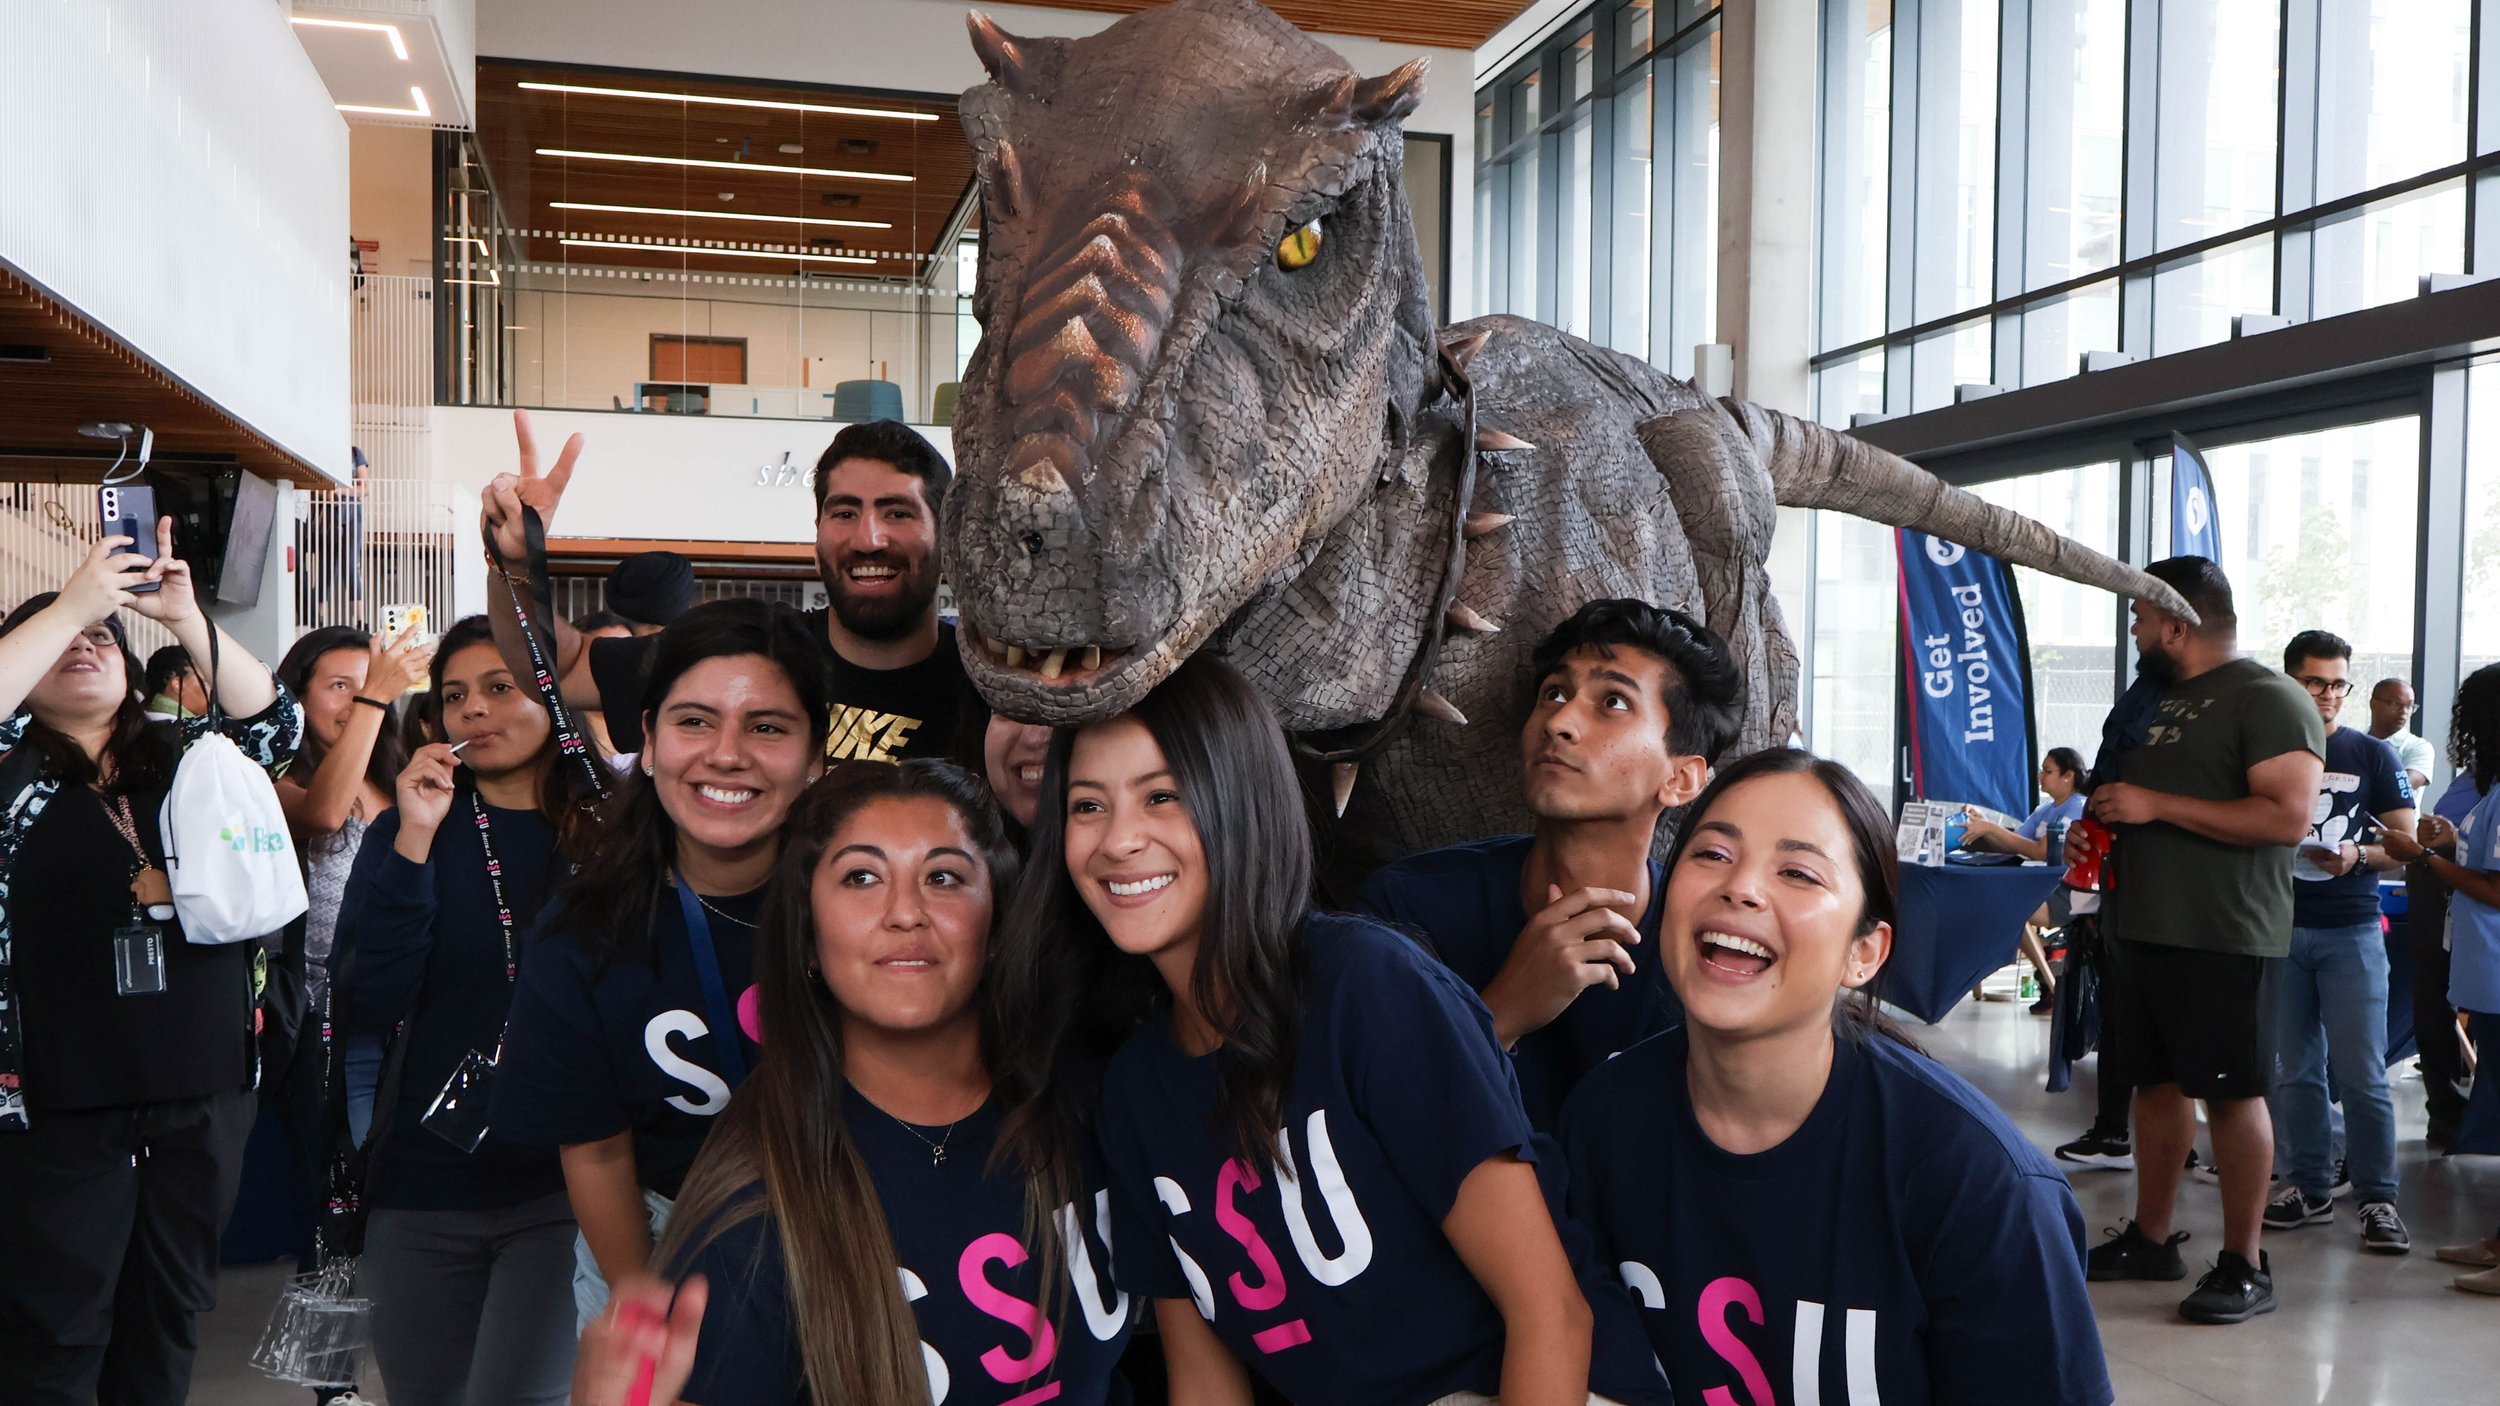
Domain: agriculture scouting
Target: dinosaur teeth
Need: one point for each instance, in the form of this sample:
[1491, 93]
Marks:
[1479, 524]
[1433, 705]
[1092, 657]
[1015, 656]
[1494, 441]
[1341, 784]
[1053, 663]
[1468, 620]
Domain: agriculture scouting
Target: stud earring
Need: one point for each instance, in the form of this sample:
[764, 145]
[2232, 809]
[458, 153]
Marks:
[646, 767]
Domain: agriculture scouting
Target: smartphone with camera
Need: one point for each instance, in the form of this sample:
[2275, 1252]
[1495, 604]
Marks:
[129, 510]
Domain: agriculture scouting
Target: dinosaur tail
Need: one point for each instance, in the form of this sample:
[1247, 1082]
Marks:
[1813, 466]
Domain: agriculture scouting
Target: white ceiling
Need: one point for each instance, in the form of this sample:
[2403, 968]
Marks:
[397, 62]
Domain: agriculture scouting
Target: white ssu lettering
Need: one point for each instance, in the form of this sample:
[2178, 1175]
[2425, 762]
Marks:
[713, 1093]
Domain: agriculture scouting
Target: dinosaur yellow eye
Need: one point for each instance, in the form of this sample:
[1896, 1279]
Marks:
[1299, 248]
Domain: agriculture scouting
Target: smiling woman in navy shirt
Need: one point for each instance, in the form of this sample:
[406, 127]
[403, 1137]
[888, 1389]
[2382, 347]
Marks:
[1807, 1207]
[624, 1044]
[861, 1237]
[1319, 1163]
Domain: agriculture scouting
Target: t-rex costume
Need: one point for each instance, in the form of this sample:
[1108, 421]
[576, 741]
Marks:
[1209, 409]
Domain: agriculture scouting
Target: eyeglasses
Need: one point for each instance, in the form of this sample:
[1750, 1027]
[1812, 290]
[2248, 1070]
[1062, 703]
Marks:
[2326, 688]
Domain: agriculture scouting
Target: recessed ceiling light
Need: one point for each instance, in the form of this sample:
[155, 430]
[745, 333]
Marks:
[724, 253]
[418, 107]
[729, 195]
[399, 46]
[723, 165]
[718, 215]
[711, 100]
[792, 149]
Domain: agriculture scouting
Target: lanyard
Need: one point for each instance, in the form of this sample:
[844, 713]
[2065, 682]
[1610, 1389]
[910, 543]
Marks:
[571, 745]
[494, 880]
[119, 813]
[715, 994]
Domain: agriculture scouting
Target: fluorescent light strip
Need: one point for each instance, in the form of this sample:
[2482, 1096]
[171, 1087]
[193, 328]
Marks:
[712, 101]
[415, 95]
[724, 253]
[719, 215]
[721, 165]
[399, 46]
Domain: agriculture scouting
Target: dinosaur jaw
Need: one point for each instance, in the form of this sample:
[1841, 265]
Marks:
[1060, 685]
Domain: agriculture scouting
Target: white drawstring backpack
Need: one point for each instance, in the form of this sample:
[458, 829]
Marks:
[227, 850]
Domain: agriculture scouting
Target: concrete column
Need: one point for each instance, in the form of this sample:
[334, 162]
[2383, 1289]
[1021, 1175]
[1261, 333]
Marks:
[1767, 78]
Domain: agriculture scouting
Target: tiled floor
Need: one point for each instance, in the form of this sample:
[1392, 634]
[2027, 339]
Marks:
[2352, 1330]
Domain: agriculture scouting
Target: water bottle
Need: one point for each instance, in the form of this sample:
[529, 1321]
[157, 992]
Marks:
[2055, 837]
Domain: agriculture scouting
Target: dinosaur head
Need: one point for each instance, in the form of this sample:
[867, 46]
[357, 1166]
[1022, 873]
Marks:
[1204, 333]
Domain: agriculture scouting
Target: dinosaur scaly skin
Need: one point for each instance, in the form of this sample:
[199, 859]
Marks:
[1175, 436]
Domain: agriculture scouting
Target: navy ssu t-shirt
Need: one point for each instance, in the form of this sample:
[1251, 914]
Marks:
[1465, 900]
[972, 1282]
[1328, 1274]
[2363, 779]
[1904, 1245]
[600, 1047]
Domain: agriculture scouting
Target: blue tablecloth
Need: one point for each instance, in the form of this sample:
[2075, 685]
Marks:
[1958, 923]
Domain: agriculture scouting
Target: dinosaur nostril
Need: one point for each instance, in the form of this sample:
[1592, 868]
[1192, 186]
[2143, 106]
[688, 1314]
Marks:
[1031, 542]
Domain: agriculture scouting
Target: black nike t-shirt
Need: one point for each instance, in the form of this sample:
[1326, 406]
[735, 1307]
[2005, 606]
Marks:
[879, 715]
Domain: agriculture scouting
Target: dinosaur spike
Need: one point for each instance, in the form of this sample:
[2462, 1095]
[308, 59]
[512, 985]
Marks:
[1009, 178]
[1341, 784]
[1481, 524]
[1392, 95]
[1433, 705]
[1330, 102]
[1462, 618]
[1459, 351]
[1492, 440]
[1001, 53]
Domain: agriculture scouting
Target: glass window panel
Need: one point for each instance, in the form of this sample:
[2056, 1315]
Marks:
[2216, 147]
[1634, 31]
[2073, 629]
[1484, 129]
[2479, 642]
[2077, 134]
[2194, 301]
[2392, 80]
[1579, 68]
[2058, 332]
[1578, 215]
[1958, 153]
[1695, 239]
[1528, 103]
[2318, 534]
[1856, 648]
[2378, 254]
[1860, 82]
[1847, 388]
[1628, 290]
[1958, 357]
[1523, 234]
[1488, 199]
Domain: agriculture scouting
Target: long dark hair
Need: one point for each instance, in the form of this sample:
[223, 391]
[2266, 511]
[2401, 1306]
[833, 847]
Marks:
[857, 1337]
[1872, 851]
[556, 803]
[2474, 727]
[611, 899]
[390, 751]
[1067, 996]
[142, 755]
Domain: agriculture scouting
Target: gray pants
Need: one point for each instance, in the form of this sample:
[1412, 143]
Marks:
[473, 1308]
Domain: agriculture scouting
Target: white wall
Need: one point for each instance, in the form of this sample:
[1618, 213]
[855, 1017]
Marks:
[913, 46]
[176, 172]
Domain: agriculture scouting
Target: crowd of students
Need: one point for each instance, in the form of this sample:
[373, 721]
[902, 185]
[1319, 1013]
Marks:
[719, 994]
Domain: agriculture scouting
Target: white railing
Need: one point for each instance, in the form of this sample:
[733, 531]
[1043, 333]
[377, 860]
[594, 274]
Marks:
[46, 530]
[391, 542]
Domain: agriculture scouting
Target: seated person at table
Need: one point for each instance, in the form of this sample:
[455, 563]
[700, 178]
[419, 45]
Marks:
[1791, 1189]
[1633, 704]
[2062, 781]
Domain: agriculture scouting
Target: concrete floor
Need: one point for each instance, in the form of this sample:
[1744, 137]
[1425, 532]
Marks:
[2353, 1329]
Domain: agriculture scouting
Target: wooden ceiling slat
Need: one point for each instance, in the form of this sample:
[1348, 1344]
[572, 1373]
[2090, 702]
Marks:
[1439, 24]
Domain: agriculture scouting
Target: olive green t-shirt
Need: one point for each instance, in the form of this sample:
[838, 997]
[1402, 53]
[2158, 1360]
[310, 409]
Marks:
[2177, 888]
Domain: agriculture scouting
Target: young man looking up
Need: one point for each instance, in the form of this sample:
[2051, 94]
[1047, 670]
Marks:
[1632, 706]
[2391, 722]
[2333, 986]
[899, 685]
[2199, 896]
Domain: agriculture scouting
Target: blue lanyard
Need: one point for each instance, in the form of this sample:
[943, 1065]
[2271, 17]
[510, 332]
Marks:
[725, 1030]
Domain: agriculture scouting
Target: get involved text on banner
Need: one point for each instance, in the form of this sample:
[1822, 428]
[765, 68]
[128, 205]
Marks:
[1968, 667]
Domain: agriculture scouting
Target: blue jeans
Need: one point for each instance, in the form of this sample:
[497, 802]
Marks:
[2332, 1008]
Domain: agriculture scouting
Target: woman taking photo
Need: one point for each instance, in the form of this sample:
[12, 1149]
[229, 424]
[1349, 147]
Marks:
[1321, 1169]
[1794, 1193]
[868, 1141]
[625, 1038]
[469, 1242]
[125, 1050]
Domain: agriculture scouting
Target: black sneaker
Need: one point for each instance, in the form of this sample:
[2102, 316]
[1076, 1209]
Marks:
[2130, 1254]
[2343, 1182]
[2233, 1292]
[2095, 1149]
[2203, 1170]
[2290, 1208]
[2382, 1230]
